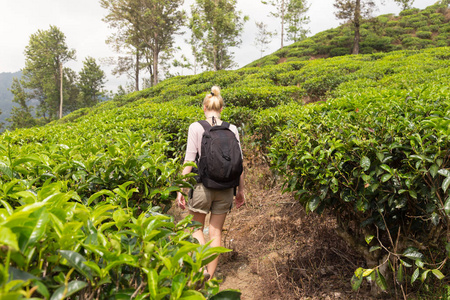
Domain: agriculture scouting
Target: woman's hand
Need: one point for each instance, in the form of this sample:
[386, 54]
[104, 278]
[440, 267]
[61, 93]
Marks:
[239, 200]
[181, 201]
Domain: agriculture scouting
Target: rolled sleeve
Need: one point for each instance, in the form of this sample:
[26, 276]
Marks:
[193, 141]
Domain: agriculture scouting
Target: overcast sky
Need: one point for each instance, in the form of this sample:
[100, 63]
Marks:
[81, 22]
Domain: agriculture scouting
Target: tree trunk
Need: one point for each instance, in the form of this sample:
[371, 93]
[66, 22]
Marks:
[215, 52]
[357, 24]
[155, 66]
[215, 58]
[282, 21]
[61, 90]
[137, 70]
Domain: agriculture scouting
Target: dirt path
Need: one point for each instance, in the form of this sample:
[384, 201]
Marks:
[280, 252]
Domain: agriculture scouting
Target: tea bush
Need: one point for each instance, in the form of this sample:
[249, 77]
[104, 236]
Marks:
[423, 34]
[82, 199]
[376, 156]
[56, 245]
[382, 33]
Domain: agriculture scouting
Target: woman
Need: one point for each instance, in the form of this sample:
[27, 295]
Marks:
[205, 200]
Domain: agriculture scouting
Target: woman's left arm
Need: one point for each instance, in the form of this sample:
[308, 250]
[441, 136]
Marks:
[240, 195]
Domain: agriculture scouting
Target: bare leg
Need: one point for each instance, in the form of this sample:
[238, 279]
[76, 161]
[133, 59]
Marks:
[215, 233]
[198, 234]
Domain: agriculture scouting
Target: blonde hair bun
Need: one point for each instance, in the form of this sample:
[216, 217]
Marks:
[215, 90]
[213, 101]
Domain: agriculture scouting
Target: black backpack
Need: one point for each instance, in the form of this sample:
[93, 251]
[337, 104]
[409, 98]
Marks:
[220, 165]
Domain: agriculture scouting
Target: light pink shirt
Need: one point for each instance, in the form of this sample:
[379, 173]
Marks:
[194, 142]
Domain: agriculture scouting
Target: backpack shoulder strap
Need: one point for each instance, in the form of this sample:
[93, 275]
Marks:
[225, 124]
[205, 124]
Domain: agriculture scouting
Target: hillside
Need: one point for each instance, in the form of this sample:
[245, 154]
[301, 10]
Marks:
[347, 173]
[413, 29]
[6, 96]
[378, 126]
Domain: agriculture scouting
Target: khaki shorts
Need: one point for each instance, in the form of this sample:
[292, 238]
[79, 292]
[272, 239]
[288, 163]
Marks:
[205, 200]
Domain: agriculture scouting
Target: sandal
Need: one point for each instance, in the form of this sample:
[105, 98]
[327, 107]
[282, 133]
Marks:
[206, 275]
[201, 283]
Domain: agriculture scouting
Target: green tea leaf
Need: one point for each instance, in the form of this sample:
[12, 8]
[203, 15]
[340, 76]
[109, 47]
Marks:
[444, 172]
[385, 177]
[365, 163]
[25, 159]
[120, 217]
[406, 264]
[192, 295]
[17, 274]
[419, 263]
[42, 289]
[8, 238]
[374, 248]
[386, 168]
[152, 280]
[438, 274]
[227, 295]
[380, 156]
[425, 275]
[381, 281]
[178, 283]
[8, 207]
[76, 261]
[434, 170]
[369, 238]
[94, 267]
[413, 194]
[400, 276]
[356, 281]
[6, 169]
[314, 204]
[435, 218]
[72, 287]
[98, 194]
[186, 249]
[446, 184]
[447, 206]
[413, 254]
[415, 275]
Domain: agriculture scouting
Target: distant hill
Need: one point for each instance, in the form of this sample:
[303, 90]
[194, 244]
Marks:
[6, 96]
[413, 29]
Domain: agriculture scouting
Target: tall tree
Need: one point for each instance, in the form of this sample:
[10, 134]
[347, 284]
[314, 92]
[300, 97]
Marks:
[91, 82]
[21, 116]
[183, 63]
[405, 4]
[46, 52]
[263, 37]
[216, 26]
[354, 11]
[1, 123]
[280, 12]
[150, 24]
[195, 42]
[71, 91]
[291, 13]
[296, 20]
[125, 40]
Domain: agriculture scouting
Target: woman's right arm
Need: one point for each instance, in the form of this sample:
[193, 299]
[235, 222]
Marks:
[181, 201]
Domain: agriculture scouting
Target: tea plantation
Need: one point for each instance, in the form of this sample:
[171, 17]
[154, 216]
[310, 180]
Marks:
[366, 138]
[411, 29]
